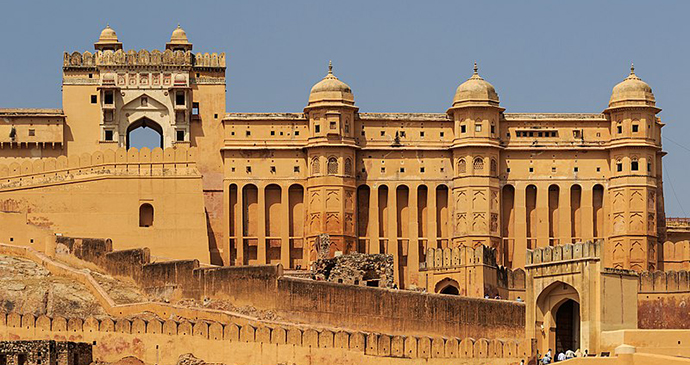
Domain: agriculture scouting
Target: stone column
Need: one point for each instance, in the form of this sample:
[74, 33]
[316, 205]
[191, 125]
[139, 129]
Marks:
[518, 255]
[285, 231]
[413, 243]
[431, 217]
[261, 226]
[239, 225]
[564, 222]
[374, 220]
[393, 230]
[587, 213]
[542, 210]
[225, 246]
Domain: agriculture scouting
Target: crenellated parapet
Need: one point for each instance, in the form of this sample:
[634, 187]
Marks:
[449, 258]
[564, 253]
[173, 161]
[120, 58]
[664, 281]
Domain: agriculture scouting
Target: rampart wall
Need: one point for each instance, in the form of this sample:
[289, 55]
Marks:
[111, 186]
[330, 304]
[664, 300]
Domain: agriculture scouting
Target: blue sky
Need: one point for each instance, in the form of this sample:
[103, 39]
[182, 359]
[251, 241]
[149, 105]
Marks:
[398, 56]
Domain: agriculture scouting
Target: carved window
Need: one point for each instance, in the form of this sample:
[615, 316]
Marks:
[332, 166]
[634, 165]
[347, 126]
[494, 167]
[348, 167]
[315, 168]
[146, 215]
[478, 164]
[144, 101]
[462, 166]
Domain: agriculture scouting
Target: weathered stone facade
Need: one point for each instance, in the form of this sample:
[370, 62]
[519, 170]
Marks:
[45, 352]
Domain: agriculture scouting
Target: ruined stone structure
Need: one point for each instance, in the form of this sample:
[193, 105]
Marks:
[564, 212]
[44, 352]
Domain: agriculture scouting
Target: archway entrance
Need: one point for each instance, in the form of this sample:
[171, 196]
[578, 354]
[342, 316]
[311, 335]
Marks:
[144, 133]
[451, 290]
[568, 326]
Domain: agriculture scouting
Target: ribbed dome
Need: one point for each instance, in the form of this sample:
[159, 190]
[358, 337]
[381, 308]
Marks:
[331, 90]
[107, 35]
[632, 92]
[475, 91]
[179, 36]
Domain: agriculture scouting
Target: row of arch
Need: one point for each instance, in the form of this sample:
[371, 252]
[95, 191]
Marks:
[477, 166]
[564, 211]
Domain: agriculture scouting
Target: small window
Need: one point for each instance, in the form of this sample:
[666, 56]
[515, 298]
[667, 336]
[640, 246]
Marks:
[531, 134]
[403, 134]
[576, 169]
[477, 127]
[539, 134]
[90, 76]
[215, 116]
[443, 169]
[531, 169]
[463, 128]
[281, 133]
[146, 215]
[508, 169]
[508, 134]
[553, 169]
[619, 167]
[249, 169]
[180, 136]
[108, 135]
[232, 133]
[273, 133]
[421, 134]
[317, 128]
[421, 169]
[295, 169]
[232, 169]
[442, 134]
[347, 127]
[332, 166]
[649, 167]
[144, 101]
[493, 129]
[273, 169]
[634, 166]
[195, 109]
[297, 133]
[332, 124]
[179, 98]
[94, 99]
[383, 133]
[248, 133]
[635, 128]
[32, 132]
[598, 169]
[577, 134]
[402, 169]
[383, 170]
[619, 129]
[108, 100]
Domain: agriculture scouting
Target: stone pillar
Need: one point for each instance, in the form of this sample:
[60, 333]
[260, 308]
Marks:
[542, 210]
[225, 245]
[374, 246]
[431, 217]
[587, 213]
[518, 255]
[261, 226]
[393, 230]
[413, 243]
[285, 231]
[564, 224]
[239, 225]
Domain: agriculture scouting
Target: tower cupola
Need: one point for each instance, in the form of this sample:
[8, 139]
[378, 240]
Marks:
[632, 92]
[475, 92]
[108, 40]
[331, 91]
[179, 41]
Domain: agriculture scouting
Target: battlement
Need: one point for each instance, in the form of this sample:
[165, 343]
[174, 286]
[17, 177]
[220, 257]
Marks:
[563, 253]
[173, 161]
[449, 258]
[120, 58]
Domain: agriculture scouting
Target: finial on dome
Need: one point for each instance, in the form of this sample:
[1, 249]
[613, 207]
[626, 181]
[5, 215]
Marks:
[178, 26]
[330, 67]
[476, 69]
[632, 68]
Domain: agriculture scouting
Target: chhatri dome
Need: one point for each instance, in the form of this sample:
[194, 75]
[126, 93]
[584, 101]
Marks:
[108, 40]
[330, 90]
[632, 92]
[178, 40]
[475, 91]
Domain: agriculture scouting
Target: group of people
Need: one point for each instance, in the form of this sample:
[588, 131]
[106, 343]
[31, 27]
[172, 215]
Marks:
[568, 354]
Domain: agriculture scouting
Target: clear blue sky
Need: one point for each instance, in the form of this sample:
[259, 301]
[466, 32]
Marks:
[398, 56]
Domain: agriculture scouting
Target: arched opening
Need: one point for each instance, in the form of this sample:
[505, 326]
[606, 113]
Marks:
[531, 216]
[568, 326]
[332, 166]
[442, 215]
[558, 318]
[146, 215]
[597, 205]
[363, 205]
[296, 224]
[507, 223]
[462, 166]
[478, 165]
[451, 290]
[144, 133]
[576, 213]
[554, 193]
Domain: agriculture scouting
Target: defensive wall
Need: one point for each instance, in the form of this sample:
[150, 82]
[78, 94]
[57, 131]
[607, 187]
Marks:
[244, 339]
[104, 194]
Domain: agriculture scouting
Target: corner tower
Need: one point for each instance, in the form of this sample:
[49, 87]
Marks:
[634, 191]
[476, 154]
[331, 151]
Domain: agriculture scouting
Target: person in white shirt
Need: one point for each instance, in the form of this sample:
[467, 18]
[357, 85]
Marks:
[561, 356]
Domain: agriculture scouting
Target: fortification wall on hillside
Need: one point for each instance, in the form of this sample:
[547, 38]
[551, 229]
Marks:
[113, 187]
[162, 341]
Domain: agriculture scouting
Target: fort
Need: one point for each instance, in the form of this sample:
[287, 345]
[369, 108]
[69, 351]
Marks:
[470, 236]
